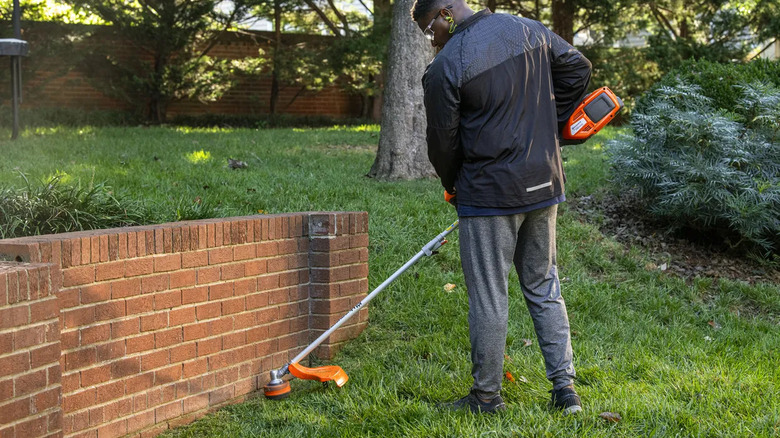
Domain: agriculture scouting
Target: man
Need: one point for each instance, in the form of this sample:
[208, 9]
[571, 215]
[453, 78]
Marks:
[496, 96]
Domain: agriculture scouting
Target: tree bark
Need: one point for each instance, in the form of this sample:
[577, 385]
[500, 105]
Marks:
[563, 19]
[403, 152]
[277, 51]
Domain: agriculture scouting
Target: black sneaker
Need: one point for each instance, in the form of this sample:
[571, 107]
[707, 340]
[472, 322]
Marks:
[475, 405]
[566, 400]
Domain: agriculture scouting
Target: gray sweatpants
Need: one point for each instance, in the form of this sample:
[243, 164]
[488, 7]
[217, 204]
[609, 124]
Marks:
[489, 245]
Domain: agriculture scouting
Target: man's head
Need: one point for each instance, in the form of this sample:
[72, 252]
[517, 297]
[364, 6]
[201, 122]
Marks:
[437, 19]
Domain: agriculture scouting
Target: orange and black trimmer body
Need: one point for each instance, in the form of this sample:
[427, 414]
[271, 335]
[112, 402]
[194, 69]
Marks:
[595, 112]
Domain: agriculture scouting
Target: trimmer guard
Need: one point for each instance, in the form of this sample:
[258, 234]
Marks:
[323, 374]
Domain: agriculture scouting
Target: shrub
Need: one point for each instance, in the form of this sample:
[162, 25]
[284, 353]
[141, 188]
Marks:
[52, 207]
[717, 81]
[706, 168]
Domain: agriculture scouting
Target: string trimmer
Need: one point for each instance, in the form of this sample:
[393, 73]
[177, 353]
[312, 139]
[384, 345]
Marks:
[278, 389]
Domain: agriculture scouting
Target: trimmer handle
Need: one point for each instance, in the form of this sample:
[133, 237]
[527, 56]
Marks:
[596, 110]
[449, 197]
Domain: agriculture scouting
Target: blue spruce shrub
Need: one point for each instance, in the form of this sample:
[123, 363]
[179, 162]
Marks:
[712, 169]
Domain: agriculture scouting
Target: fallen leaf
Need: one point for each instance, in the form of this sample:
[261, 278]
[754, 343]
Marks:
[612, 417]
[651, 267]
[197, 200]
[527, 342]
[237, 164]
[714, 325]
[663, 267]
[261, 211]
[449, 287]
[509, 377]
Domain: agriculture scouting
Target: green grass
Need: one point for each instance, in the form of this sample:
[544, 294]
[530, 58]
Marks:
[643, 344]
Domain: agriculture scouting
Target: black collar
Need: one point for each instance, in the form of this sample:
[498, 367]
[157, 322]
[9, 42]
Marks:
[473, 19]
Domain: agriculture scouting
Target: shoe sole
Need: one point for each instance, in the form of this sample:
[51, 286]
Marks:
[572, 410]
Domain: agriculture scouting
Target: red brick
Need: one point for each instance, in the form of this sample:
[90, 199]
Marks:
[95, 334]
[109, 310]
[103, 248]
[195, 295]
[220, 291]
[137, 305]
[158, 240]
[232, 306]
[113, 247]
[113, 430]
[168, 411]
[194, 368]
[154, 322]
[139, 383]
[197, 331]
[140, 421]
[232, 271]
[80, 359]
[222, 325]
[266, 249]
[167, 374]
[181, 316]
[47, 400]
[255, 267]
[358, 271]
[244, 252]
[208, 310]
[94, 246]
[155, 283]
[208, 275]
[110, 391]
[110, 271]
[233, 340]
[176, 240]
[125, 288]
[166, 263]
[166, 338]
[94, 376]
[180, 353]
[219, 396]
[14, 316]
[132, 245]
[194, 259]
[29, 383]
[45, 355]
[359, 241]
[139, 343]
[167, 300]
[6, 344]
[24, 337]
[167, 240]
[128, 327]
[73, 402]
[209, 346]
[136, 267]
[182, 279]
[95, 293]
[122, 238]
[220, 255]
[44, 310]
[78, 276]
[110, 350]
[277, 264]
[268, 282]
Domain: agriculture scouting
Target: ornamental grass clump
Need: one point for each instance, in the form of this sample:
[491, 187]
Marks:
[714, 170]
[53, 207]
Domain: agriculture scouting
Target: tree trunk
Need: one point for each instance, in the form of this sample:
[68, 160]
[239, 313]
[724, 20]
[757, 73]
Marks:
[383, 11]
[563, 19]
[403, 152]
[277, 51]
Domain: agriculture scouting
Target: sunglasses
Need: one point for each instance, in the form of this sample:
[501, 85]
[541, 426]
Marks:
[428, 32]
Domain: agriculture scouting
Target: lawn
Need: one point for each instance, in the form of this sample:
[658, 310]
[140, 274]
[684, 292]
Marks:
[671, 357]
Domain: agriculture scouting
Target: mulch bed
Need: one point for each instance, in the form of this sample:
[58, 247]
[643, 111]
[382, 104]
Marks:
[677, 253]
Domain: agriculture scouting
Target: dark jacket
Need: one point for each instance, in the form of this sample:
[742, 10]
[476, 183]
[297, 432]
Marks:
[496, 97]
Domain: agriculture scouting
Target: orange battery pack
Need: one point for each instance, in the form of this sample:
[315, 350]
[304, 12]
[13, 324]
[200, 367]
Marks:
[596, 110]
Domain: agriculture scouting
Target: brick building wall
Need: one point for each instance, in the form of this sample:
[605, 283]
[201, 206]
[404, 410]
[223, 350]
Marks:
[134, 330]
[52, 80]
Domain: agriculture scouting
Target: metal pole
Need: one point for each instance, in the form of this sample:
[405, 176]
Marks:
[427, 250]
[17, 18]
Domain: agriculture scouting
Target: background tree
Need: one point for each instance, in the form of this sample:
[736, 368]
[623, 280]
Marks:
[402, 152]
[173, 39]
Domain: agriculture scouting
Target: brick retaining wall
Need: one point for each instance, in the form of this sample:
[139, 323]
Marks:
[134, 330]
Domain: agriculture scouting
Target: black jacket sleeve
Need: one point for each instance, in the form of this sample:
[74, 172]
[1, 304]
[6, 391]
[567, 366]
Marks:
[442, 109]
[571, 75]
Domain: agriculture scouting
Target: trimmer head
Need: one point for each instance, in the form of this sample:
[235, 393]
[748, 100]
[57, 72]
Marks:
[277, 392]
[276, 389]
